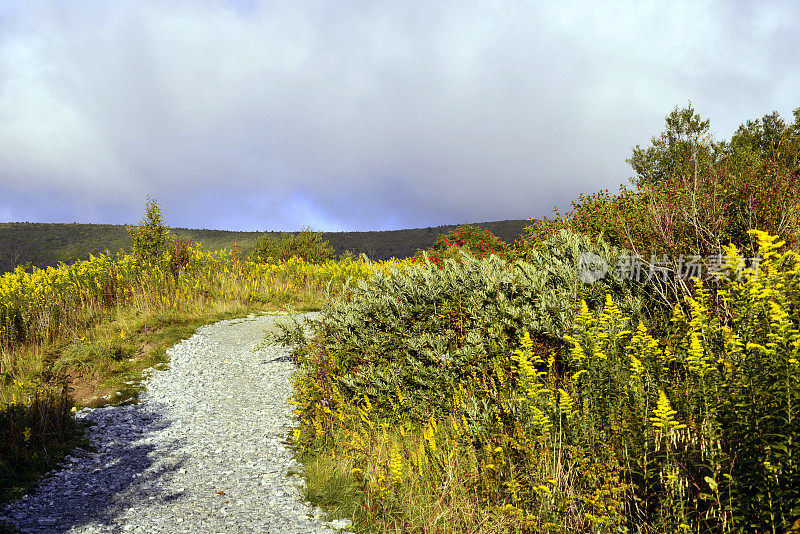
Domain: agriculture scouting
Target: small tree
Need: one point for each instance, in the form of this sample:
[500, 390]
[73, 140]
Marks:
[151, 235]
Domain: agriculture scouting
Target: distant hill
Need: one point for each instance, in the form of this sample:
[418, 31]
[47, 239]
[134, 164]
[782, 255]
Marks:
[44, 244]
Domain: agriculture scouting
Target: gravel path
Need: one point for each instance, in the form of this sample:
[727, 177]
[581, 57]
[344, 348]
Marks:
[205, 449]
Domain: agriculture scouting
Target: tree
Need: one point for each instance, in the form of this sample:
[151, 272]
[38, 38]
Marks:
[151, 235]
[763, 164]
[768, 139]
[686, 137]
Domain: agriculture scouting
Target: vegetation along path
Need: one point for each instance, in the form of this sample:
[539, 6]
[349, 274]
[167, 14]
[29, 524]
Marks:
[204, 450]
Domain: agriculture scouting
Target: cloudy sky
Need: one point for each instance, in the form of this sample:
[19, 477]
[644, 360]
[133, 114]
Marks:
[345, 115]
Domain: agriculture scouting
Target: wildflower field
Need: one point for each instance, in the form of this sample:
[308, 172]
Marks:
[470, 394]
[84, 332]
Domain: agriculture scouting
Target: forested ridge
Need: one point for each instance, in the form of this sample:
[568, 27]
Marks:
[43, 244]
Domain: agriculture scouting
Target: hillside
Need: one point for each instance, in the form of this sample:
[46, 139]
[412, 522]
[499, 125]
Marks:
[44, 244]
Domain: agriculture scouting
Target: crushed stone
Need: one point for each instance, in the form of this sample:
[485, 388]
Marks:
[206, 449]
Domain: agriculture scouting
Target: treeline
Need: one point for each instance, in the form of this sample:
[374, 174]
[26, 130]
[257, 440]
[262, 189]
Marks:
[46, 244]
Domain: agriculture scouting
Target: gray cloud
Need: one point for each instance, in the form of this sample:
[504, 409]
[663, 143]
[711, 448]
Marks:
[360, 115]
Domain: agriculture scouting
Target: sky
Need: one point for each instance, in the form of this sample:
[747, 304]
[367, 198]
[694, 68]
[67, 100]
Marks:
[362, 115]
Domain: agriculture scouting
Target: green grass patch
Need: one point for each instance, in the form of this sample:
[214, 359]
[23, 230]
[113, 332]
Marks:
[338, 494]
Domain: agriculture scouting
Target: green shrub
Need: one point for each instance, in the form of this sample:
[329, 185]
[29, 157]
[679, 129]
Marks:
[306, 244]
[424, 330]
[620, 219]
[151, 235]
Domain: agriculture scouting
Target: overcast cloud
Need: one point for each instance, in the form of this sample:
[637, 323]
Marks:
[361, 115]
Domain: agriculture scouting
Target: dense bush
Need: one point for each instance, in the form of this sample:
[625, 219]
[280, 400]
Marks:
[469, 239]
[180, 254]
[423, 331]
[621, 219]
[307, 245]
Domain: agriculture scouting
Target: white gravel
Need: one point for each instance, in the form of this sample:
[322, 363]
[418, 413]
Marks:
[205, 450]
